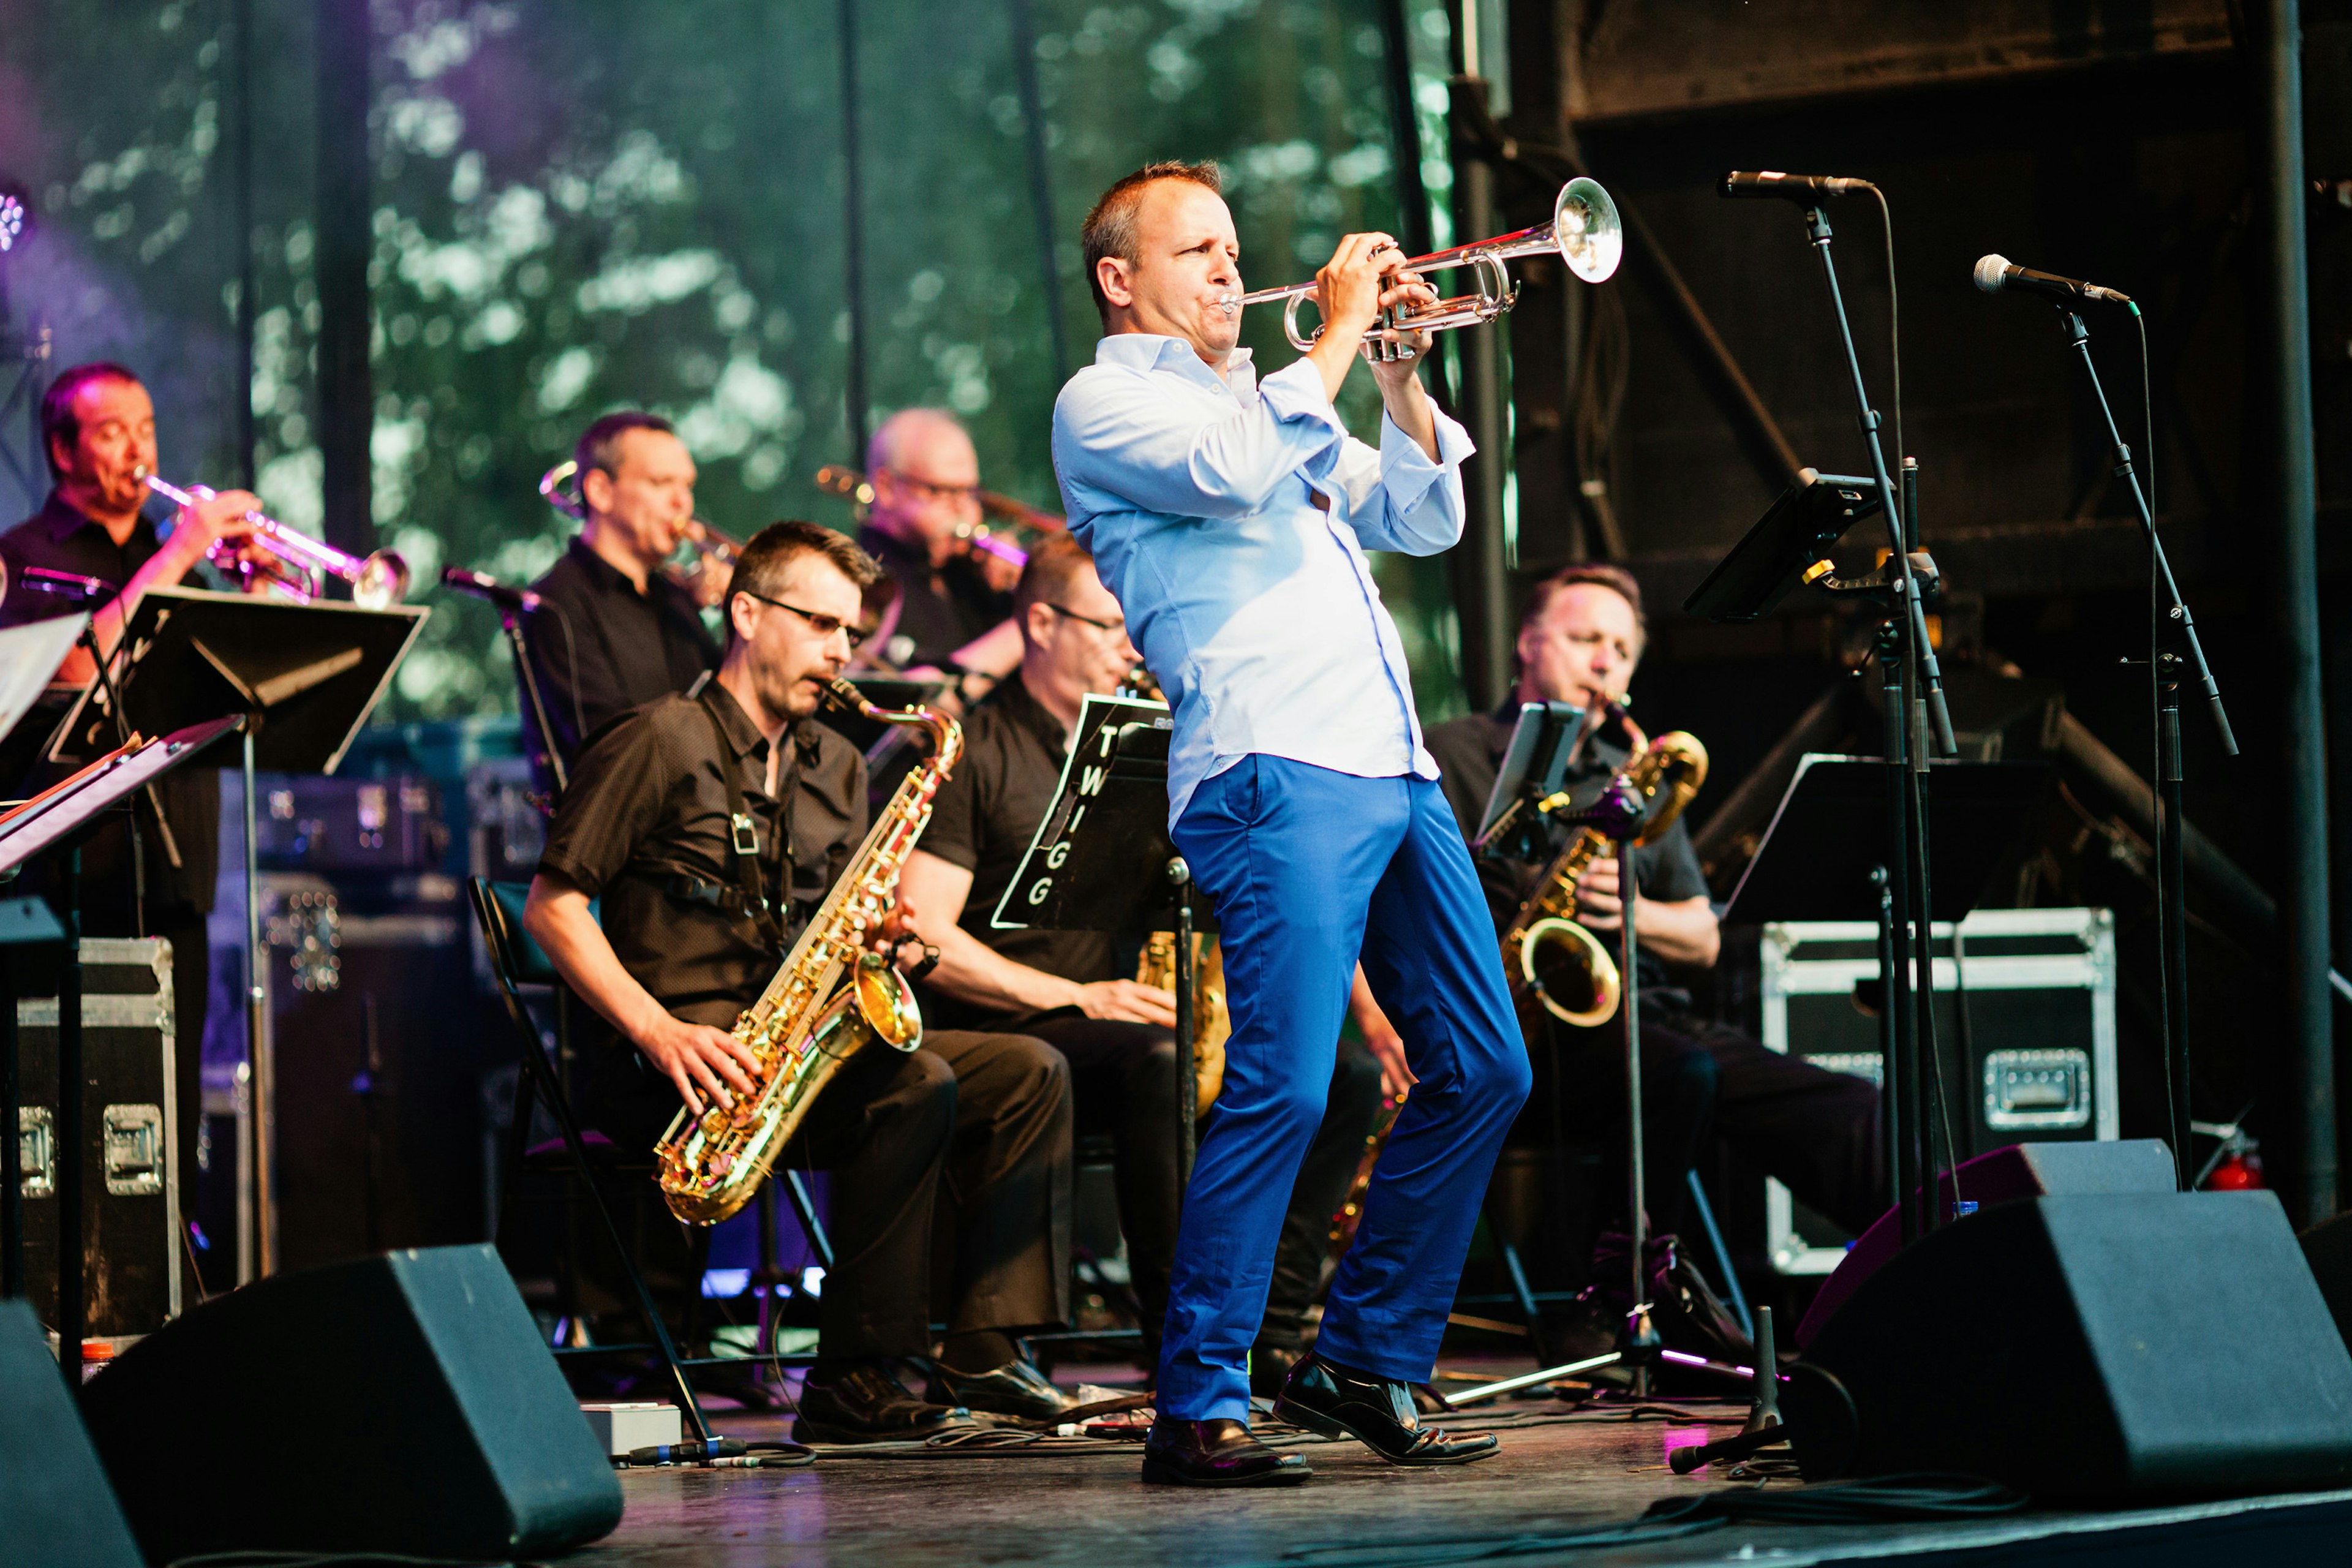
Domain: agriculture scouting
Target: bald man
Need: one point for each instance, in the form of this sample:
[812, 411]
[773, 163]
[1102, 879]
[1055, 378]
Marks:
[926, 479]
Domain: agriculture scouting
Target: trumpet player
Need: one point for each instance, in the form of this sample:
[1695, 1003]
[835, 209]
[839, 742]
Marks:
[1066, 988]
[1230, 515]
[611, 631]
[710, 826]
[98, 434]
[1579, 641]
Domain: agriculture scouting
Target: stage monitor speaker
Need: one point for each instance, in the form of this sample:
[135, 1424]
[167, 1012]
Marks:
[2328, 1249]
[2001, 1176]
[56, 1506]
[2094, 1347]
[397, 1403]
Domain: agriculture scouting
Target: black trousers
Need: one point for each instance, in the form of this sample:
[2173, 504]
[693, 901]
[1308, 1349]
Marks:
[950, 1190]
[1123, 1077]
[1816, 1131]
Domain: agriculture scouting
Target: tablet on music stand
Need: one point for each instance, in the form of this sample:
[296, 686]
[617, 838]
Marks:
[1543, 743]
[1788, 547]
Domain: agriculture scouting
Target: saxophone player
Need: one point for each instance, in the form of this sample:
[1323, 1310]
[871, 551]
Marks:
[1230, 516]
[1066, 988]
[1579, 640]
[709, 826]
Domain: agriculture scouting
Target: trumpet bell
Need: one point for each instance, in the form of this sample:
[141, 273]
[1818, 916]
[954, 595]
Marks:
[1586, 229]
[382, 583]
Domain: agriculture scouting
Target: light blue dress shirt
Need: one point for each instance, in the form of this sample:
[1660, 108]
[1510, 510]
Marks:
[1229, 518]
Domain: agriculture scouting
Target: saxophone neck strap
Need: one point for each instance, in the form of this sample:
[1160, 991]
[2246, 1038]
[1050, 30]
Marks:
[744, 837]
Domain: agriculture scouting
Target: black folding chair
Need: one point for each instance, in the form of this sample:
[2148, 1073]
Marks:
[517, 960]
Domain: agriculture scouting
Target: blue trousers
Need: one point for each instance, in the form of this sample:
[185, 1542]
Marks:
[1311, 869]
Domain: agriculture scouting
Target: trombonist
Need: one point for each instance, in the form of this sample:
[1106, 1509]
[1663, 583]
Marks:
[98, 434]
[611, 631]
[953, 614]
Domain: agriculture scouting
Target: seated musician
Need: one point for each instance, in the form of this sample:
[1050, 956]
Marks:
[1065, 988]
[98, 434]
[974, 1125]
[611, 631]
[926, 479]
[1579, 642]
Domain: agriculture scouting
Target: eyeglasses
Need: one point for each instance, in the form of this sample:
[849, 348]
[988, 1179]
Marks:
[822, 626]
[1117, 628]
[955, 493]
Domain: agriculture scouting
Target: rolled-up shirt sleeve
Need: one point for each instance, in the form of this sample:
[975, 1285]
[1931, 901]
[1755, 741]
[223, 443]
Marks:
[1122, 435]
[1406, 502]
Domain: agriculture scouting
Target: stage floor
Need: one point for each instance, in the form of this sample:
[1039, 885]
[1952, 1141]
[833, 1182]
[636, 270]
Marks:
[1082, 1503]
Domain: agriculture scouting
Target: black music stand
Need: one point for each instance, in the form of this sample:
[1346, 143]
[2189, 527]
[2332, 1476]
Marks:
[62, 817]
[1812, 865]
[305, 677]
[1101, 861]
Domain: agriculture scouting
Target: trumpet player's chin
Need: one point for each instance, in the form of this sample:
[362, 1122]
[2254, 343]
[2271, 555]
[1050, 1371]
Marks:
[1220, 325]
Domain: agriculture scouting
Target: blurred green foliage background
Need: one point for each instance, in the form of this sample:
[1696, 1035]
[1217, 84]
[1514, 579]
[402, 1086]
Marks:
[596, 204]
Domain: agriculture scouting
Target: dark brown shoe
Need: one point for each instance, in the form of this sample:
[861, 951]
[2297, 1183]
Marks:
[1378, 1412]
[1215, 1454]
[1017, 1389]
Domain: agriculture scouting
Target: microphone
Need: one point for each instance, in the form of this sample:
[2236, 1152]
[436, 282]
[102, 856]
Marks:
[1995, 273]
[1806, 188]
[66, 584]
[484, 586]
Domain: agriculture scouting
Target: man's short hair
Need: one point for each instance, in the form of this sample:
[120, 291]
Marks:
[1600, 573]
[768, 556]
[1109, 229]
[1054, 565]
[600, 444]
[59, 423]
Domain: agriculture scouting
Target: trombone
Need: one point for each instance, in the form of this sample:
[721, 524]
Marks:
[1584, 232]
[294, 567]
[704, 575]
[1017, 517]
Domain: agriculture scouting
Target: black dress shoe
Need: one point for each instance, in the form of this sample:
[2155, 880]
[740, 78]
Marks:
[1378, 1412]
[1269, 1365]
[1016, 1389]
[866, 1405]
[1215, 1454]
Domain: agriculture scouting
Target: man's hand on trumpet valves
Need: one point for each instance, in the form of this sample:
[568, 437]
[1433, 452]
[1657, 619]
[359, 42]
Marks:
[215, 520]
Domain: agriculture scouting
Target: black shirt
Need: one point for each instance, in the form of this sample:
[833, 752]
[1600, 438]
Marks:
[1469, 753]
[60, 539]
[982, 819]
[644, 826]
[599, 647]
[938, 611]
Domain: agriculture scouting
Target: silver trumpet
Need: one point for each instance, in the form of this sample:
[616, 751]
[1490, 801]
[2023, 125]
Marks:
[295, 566]
[1584, 233]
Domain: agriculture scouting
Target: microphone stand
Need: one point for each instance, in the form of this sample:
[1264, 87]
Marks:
[2172, 892]
[1909, 660]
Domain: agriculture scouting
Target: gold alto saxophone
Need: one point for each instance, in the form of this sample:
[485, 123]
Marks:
[830, 999]
[1546, 955]
[1211, 1022]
